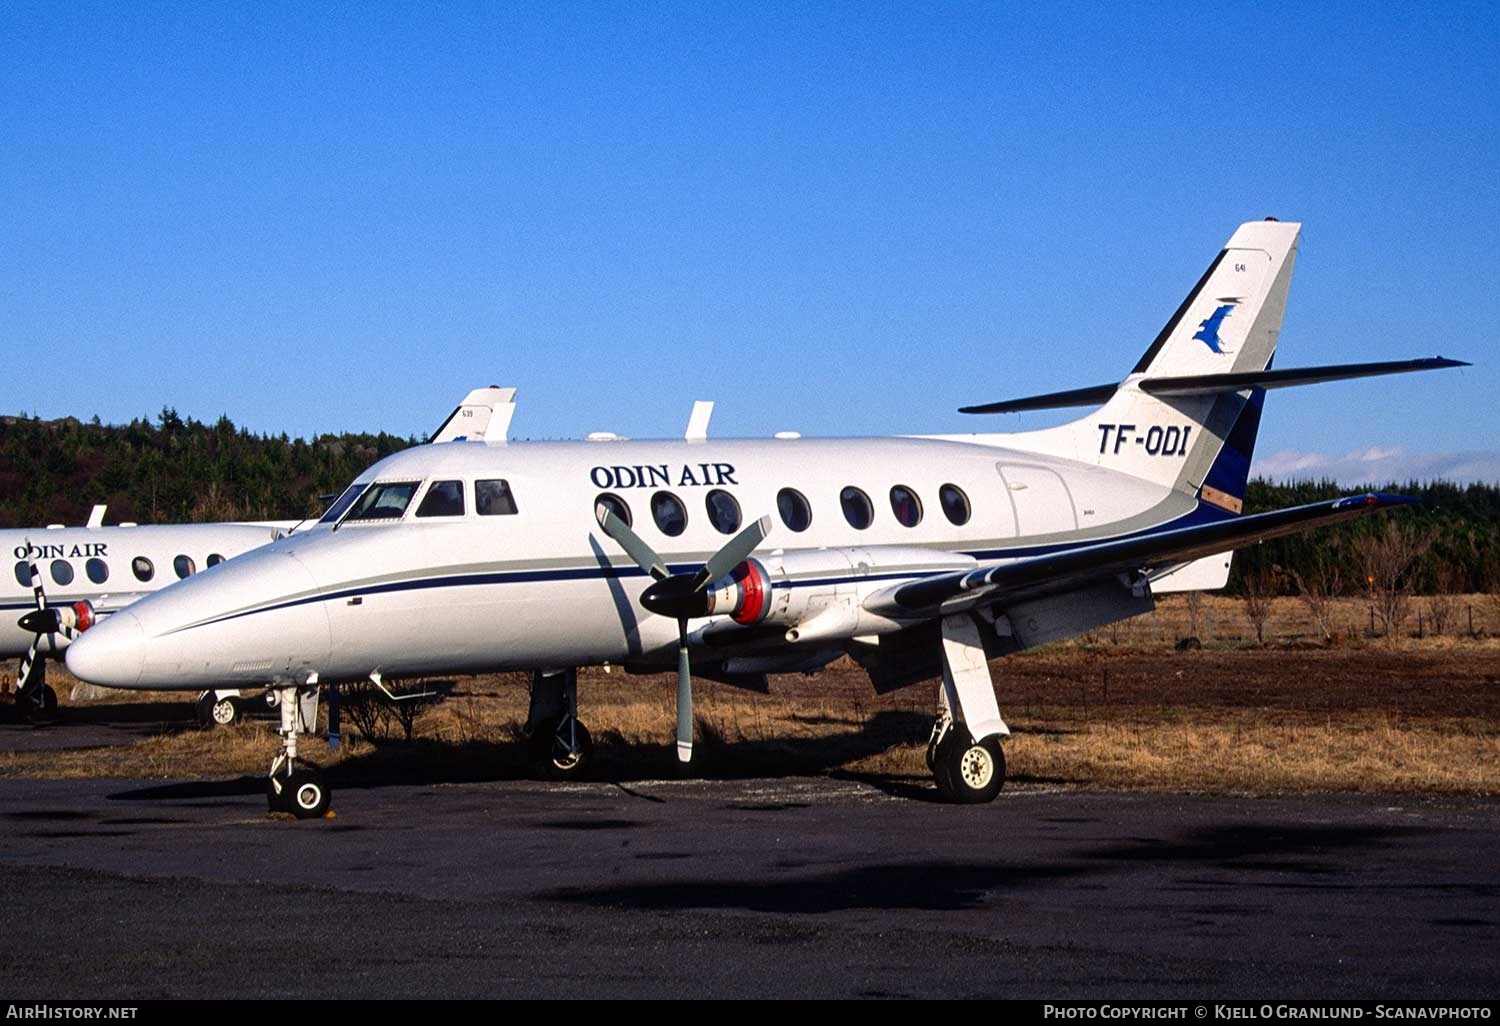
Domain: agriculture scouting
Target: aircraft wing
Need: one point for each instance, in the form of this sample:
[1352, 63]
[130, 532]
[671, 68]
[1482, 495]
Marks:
[1055, 572]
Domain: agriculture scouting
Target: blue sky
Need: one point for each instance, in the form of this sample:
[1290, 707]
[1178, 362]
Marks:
[840, 219]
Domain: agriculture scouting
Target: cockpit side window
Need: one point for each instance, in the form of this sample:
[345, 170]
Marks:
[494, 498]
[343, 502]
[443, 499]
[384, 500]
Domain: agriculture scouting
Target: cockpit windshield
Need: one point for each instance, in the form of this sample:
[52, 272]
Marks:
[343, 502]
[386, 500]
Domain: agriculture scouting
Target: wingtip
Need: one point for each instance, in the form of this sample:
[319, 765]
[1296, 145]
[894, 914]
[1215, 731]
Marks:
[1378, 500]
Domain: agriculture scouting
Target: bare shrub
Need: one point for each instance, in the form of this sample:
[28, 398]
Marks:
[1389, 559]
[367, 709]
[1260, 584]
[1442, 605]
[1317, 589]
[1195, 613]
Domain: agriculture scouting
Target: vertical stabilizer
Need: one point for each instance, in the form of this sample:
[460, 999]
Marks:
[1200, 444]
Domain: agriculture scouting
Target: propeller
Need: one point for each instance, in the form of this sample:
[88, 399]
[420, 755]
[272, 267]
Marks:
[683, 596]
[47, 619]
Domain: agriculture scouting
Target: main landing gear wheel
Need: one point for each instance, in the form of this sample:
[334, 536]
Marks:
[968, 772]
[301, 792]
[563, 748]
[219, 712]
[39, 704]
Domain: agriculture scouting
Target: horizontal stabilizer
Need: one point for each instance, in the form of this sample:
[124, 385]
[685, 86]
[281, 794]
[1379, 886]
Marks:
[1055, 572]
[1212, 384]
[1094, 395]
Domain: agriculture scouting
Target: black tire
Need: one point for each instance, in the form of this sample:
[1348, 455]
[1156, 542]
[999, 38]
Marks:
[560, 760]
[49, 701]
[303, 793]
[969, 772]
[307, 794]
[219, 712]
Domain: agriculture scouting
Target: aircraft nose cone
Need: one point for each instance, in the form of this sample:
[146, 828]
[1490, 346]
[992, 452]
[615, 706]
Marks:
[110, 654]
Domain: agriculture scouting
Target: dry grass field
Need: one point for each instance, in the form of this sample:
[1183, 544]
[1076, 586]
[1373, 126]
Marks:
[1120, 709]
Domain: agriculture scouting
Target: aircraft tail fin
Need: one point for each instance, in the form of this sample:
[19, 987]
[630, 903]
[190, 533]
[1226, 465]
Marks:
[1200, 442]
[483, 416]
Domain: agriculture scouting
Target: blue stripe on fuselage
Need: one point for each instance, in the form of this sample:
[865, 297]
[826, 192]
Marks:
[1201, 514]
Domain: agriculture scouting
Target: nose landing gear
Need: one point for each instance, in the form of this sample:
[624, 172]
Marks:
[294, 786]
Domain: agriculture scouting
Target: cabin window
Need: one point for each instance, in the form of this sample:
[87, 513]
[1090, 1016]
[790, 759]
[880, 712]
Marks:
[723, 511]
[906, 506]
[796, 514]
[184, 566]
[97, 569]
[62, 571]
[214, 559]
[857, 508]
[955, 504]
[23, 573]
[142, 568]
[443, 499]
[669, 513]
[494, 499]
[616, 505]
[342, 503]
[384, 501]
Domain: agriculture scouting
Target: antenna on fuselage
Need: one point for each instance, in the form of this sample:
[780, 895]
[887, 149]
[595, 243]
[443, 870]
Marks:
[697, 429]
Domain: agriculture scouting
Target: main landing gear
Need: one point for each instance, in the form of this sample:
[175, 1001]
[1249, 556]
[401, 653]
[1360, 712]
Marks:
[35, 699]
[293, 786]
[964, 752]
[557, 741]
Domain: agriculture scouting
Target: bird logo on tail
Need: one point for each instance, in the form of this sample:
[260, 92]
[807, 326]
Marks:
[1208, 332]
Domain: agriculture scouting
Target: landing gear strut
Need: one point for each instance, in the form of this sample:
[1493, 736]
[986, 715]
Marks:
[294, 786]
[557, 740]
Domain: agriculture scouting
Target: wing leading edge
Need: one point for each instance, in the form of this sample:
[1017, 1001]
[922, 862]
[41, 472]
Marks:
[1056, 572]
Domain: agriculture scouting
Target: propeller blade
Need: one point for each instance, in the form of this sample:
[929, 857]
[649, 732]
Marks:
[645, 557]
[37, 593]
[733, 554]
[684, 697]
[24, 673]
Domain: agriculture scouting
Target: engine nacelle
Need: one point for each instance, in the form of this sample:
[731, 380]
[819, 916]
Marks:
[793, 589]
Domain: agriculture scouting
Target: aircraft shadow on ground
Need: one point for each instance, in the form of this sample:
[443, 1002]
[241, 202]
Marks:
[425, 761]
[1273, 848]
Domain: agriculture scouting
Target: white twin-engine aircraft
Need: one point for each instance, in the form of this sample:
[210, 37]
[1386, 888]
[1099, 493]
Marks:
[920, 556]
[64, 578]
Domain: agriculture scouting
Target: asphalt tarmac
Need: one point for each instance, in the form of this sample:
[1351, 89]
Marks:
[751, 888]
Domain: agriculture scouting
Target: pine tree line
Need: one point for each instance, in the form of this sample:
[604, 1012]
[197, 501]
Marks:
[171, 470]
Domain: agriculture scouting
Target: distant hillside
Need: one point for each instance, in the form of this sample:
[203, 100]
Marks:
[53, 471]
[170, 471]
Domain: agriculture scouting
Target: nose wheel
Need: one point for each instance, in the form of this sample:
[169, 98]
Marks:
[214, 711]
